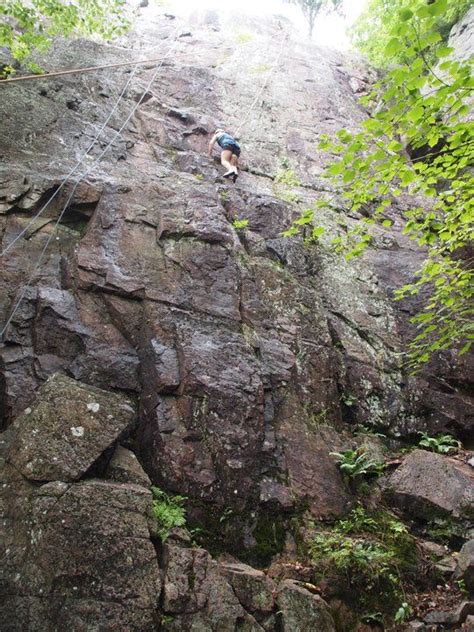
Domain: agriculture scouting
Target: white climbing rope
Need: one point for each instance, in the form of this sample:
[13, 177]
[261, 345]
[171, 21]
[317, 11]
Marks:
[263, 87]
[88, 171]
[84, 155]
[73, 170]
[71, 195]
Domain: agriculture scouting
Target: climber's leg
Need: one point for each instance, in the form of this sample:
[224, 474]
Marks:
[234, 161]
[226, 157]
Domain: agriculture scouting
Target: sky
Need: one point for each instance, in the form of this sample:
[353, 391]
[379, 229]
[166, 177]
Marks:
[329, 30]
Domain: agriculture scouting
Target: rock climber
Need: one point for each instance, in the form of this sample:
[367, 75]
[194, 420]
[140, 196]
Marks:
[230, 152]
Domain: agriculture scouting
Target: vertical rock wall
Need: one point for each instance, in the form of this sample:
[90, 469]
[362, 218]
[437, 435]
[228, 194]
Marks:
[248, 354]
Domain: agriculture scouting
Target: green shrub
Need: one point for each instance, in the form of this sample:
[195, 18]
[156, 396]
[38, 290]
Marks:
[446, 531]
[403, 612]
[372, 31]
[169, 511]
[30, 27]
[223, 196]
[442, 444]
[358, 563]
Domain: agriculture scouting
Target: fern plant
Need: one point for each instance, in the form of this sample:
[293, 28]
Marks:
[357, 464]
[168, 511]
[442, 444]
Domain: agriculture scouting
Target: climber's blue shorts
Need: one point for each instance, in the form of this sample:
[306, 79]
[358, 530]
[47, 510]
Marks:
[235, 149]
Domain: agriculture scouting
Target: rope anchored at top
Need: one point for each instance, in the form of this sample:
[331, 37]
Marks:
[71, 195]
[77, 71]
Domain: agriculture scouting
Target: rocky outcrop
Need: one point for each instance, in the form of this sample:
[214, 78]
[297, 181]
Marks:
[451, 618]
[197, 596]
[240, 345]
[428, 485]
[461, 38]
[76, 549]
[248, 354]
[125, 468]
[302, 611]
[78, 535]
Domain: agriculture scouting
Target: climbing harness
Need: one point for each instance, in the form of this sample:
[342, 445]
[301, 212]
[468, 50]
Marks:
[71, 195]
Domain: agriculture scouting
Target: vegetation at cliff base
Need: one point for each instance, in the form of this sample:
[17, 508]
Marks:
[240, 224]
[356, 464]
[368, 554]
[442, 444]
[27, 28]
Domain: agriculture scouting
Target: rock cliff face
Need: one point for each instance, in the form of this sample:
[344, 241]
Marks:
[247, 356]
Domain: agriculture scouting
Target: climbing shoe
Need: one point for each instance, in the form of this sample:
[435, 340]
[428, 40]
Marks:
[229, 174]
[235, 176]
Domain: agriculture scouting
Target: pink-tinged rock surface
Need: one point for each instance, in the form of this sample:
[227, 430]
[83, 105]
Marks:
[239, 347]
[427, 485]
[67, 429]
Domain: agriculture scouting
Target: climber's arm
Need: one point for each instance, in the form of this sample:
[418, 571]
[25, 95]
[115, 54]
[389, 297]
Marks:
[211, 143]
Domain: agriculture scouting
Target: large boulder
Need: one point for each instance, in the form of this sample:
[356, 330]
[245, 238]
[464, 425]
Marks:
[450, 618]
[253, 588]
[124, 467]
[80, 557]
[196, 597]
[427, 485]
[66, 429]
[301, 610]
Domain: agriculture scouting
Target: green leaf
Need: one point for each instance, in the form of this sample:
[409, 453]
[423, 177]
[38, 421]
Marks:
[430, 39]
[395, 146]
[336, 168]
[465, 348]
[394, 46]
[444, 51]
[438, 7]
[405, 14]
[416, 113]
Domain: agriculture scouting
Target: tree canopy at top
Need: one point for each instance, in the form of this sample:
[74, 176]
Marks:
[373, 29]
[312, 8]
[29, 27]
